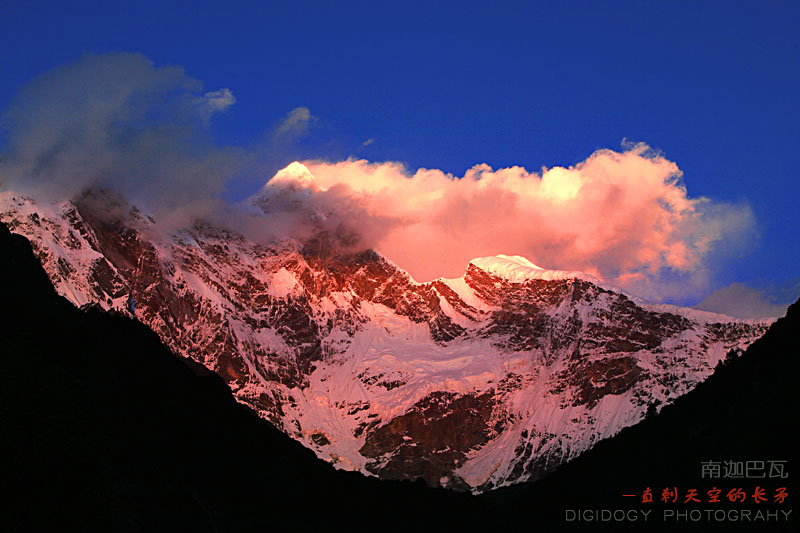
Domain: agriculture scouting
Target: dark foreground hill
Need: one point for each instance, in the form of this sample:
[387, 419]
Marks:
[104, 429]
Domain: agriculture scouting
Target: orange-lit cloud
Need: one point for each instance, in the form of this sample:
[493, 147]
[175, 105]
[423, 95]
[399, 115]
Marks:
[623, 217]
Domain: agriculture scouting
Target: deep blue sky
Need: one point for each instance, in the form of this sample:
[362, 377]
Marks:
[713, 85]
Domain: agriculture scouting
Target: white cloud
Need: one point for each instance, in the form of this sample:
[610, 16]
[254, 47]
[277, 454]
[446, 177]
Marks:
[297, 122]
[215, 102]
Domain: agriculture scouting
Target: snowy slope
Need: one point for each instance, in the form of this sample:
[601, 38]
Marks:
[471, 383]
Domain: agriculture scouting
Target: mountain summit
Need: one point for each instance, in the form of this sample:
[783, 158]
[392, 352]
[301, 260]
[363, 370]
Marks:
[518, 269]
[294, 175]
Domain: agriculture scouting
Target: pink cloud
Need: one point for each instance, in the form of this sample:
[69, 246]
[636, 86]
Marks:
[623, 217]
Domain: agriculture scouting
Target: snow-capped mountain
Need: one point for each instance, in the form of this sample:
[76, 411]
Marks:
[471, 383]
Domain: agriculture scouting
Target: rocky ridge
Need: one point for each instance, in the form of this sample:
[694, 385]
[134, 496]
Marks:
[470, 383]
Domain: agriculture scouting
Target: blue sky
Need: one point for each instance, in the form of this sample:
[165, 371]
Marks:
[447, 85]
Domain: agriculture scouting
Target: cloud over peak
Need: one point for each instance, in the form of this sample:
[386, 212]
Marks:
[624, 217]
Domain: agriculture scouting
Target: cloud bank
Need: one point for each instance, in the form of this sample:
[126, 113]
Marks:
[118, 121]
[624, 217]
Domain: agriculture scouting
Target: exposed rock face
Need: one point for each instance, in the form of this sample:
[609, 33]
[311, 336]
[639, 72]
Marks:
[471, 383]
[431, 438]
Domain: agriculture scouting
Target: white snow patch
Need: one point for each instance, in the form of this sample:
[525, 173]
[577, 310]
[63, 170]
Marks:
[517, 269]
[295, 174]
[282, 284]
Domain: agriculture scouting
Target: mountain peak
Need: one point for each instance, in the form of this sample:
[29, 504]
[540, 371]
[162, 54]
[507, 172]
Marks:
[292, 185]
[295, 175]
[505, 265]
[518, 269]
